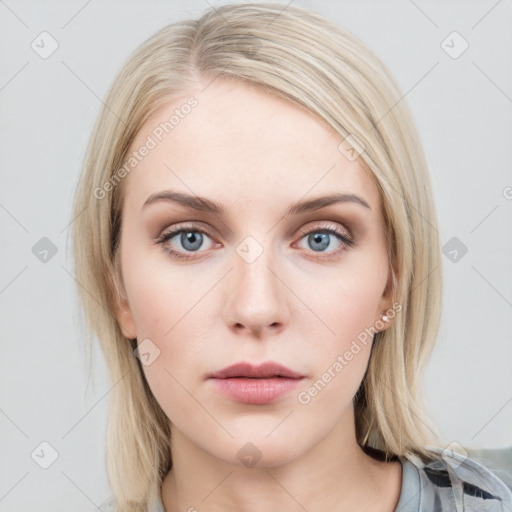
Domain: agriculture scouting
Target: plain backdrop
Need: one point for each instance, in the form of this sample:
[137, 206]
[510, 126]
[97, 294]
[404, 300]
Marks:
[462, 107]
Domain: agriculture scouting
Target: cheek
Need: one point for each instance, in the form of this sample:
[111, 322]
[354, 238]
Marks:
[159, 294]
[350, 312]
[340, 364]
[155, 313]
[354, 298]
[165, 304]
[167, 320]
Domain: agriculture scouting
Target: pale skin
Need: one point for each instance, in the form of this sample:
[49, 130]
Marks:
[296, 304]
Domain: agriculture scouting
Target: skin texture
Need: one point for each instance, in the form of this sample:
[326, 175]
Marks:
[256, 155]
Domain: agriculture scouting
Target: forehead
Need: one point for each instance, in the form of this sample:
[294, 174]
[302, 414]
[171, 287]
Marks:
[241, 145]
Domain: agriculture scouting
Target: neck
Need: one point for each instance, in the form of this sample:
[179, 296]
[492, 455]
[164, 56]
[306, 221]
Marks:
[336, 474]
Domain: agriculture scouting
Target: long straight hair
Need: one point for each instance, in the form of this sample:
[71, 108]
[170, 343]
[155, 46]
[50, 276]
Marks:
[303, 58]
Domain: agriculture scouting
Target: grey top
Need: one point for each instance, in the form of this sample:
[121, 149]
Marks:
[452, 484]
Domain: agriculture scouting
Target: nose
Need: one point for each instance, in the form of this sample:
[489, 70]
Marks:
[256, 297]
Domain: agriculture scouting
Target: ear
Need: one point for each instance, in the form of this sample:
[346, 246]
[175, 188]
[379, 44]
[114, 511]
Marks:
[122, 309]
[125, 318]
[386, 302]
[387, 294]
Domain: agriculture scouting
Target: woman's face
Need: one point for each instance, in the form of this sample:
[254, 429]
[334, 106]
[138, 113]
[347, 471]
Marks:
[263, 280]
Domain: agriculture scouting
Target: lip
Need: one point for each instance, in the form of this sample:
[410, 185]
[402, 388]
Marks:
[256, 385]
[262, 371]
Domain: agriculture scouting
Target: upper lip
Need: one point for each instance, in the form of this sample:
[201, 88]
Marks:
[262, 371]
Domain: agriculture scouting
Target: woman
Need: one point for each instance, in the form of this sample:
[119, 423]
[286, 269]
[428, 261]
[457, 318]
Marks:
[256, 241]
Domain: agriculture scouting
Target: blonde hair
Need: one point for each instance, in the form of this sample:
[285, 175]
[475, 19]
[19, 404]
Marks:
[303, 58]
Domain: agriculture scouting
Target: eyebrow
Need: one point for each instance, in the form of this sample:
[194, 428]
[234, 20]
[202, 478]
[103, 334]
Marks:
[206, 205]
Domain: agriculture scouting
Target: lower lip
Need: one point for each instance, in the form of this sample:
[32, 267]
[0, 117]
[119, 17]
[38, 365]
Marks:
[256, 391]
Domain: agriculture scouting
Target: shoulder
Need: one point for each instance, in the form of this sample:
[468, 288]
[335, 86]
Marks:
[457, 483]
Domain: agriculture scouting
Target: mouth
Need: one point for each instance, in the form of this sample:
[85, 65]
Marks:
[255, 385]
[268, 370]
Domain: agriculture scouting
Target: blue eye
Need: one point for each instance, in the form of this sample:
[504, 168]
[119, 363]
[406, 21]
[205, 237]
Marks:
[191, 240]
[190, 237]
[320, 240]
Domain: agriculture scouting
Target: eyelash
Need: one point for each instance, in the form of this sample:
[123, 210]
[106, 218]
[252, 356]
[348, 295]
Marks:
[168, 235]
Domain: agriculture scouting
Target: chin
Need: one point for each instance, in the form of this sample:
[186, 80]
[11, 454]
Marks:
[258, 451]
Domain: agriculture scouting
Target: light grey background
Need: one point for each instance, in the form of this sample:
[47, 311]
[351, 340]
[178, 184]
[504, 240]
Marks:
[48, 106]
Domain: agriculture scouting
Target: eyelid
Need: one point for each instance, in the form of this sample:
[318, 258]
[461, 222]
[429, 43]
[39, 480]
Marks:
[320, 225]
